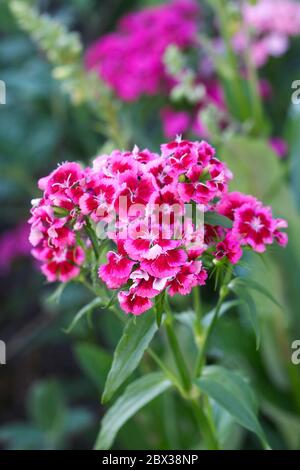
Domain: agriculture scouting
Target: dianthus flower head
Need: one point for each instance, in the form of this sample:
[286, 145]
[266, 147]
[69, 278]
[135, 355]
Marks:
[155, 245]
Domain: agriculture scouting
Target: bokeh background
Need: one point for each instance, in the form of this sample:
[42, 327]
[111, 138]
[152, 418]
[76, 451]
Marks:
[51, 385]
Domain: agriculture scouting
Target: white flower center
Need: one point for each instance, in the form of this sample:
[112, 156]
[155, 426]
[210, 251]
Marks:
[256, 224]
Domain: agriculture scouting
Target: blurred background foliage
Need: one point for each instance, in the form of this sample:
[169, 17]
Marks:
[51, 385]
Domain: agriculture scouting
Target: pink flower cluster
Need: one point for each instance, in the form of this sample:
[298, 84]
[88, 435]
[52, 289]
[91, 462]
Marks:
[147, 202]
[130, 60]
[272, 22]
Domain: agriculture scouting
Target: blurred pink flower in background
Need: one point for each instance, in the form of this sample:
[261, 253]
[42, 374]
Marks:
[279, 146]
[130, 60]
[14, 243]
[272, 23]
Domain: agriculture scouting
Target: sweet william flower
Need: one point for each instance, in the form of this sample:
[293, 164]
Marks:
[156, 245]
[230, 248]
[254, 225]
[117, 271]
[63, 264]
[131, 302]
[190, 275]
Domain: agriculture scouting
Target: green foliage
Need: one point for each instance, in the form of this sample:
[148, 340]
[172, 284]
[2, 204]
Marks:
[137, 335]
[40, 127]
[51, 422]
[86, 310]
[94, 361]
[135, 397]
[64, 51]
[231, 391]
[212, 218]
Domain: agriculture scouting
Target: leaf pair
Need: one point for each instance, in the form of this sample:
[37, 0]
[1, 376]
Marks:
[233, 393]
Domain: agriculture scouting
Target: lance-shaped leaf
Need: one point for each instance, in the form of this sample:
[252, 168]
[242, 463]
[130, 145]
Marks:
[231, 391]
[135, 397]
[97, 302]
[213, 218]
[249, 283]
[244, 295]
[136, 337]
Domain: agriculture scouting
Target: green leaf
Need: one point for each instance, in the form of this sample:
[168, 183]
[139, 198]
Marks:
[213, 218]
[47, 407]
[136, 337]
[55, 297]
[226, 306]
[187, 318]
[135, 397]
[94, 361]
[97, 302]
[159, 307]
[21, 436]
[244, 295]
[231, 391]
[247, 282]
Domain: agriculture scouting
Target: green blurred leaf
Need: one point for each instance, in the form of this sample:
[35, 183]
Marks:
[249, 283]
[213, 218]
[244, 295]
[255, 166]
[97, 302]
[78, 420]
[47, 408]
[135, 397]
[230, 390]
[136, 337]
[22, 436]
[94, 361]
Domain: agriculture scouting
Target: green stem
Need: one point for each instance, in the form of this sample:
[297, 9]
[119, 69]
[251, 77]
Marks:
[201, 356]
[176, 351]
[198, 309]
[93, 238]
[236, 85]
[202, 353]
[166, 370]
[205, 426]
[259, 118]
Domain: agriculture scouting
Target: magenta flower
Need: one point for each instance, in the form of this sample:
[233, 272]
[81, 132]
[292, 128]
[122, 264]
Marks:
[156, 245]
[137, 48]
[131, 302]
